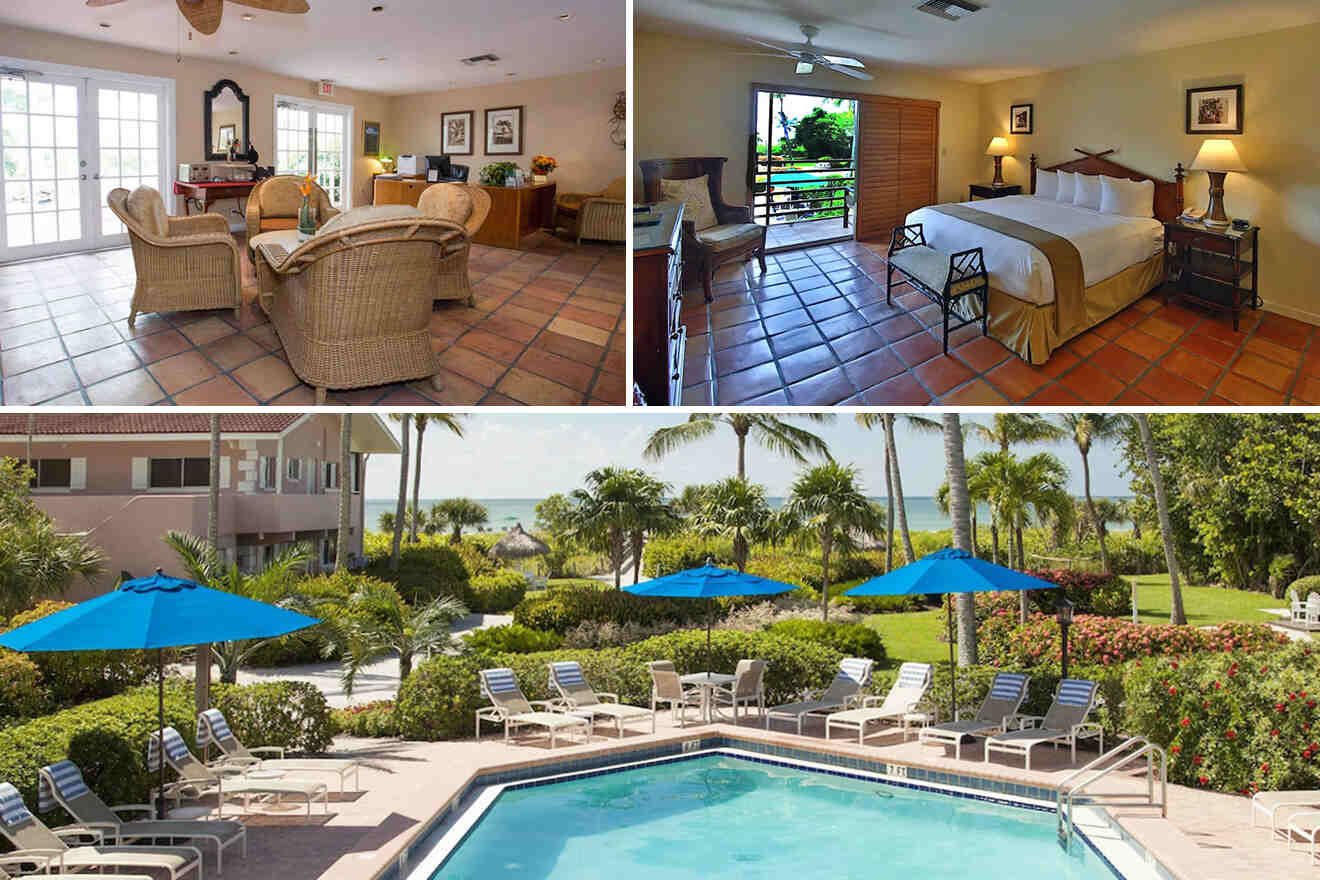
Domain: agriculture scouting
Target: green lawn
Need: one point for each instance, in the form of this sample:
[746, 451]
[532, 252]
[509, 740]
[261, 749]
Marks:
[911, 635]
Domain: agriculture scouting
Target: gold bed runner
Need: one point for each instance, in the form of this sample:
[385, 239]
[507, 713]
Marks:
[1065, 261]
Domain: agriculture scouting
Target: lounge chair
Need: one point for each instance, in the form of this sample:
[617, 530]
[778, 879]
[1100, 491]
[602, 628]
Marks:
[61, 784]
[213, 728]
[1271, 803]
[747, 688]
[510, 707]
[667, 687]
[1304, 826]
[1311, 616]
[1296, 607]
[903, 698]
[1065, 722]
[8, 858]
[846, 689]
[37, 844]
[566, 677]
[196, 780]
[996, 714]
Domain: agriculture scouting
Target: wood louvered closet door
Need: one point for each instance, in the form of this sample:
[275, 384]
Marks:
[898, 162]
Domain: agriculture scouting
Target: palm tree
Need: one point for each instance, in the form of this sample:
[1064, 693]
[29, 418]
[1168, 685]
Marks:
[274, 584]
[452, 421]
[978, 493]
[1008, 429]
[772, 431]
[894, 475]
[960, 507]
[345, 493]
[1086, 429]
[202, 668]
[652, 514]
[400, 504]
[1176, 612]
[829, 507]
[457, 514]
[603, 513]
[736, 509]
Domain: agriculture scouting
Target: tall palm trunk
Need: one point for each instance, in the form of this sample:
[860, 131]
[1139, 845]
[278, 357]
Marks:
[975, 532]
[742, 452]
[617, 539]
[1176, 612]
[202, 670]
[345, 495]
[1095, 515]
[31, 429]
[960, 509]
[889, 510]
[1022, 564]
[417, 478]
[826, 544]
[994, 535]
[401, 505]
[909, 555]
[637, 540]
[740, 551]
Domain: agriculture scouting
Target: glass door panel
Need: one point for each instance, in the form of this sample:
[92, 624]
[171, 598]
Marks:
[41, 130]
[128, 153]
[314, 139]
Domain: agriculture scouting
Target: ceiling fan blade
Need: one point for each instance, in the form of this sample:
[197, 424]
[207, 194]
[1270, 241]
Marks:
[292, 7]
[203, 15]
[771, 46]
[804, 68]
[96, 3]
[849, 71]
[846, 62]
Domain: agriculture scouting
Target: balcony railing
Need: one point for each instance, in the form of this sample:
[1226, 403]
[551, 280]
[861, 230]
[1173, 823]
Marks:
[793, 190]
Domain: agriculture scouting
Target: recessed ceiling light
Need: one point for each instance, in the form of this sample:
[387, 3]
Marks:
[565, 16]
[598, 61]
[510, 74]
[378, 8]
[247, 16]
[233, 51]
[105, 24]
[383, 58]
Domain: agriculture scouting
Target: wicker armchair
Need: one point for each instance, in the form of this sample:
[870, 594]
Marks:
[601, 215]
[352, 304]
[274, 204]
[468, 206]
[182, 263]
[732, 237]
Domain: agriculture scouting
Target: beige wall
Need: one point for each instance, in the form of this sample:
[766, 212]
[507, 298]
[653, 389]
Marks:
[193, 76]
[1136, 106]
[566, 117]
[694, 99]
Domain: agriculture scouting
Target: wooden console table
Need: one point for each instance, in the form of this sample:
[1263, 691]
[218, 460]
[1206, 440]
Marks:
[205, 192]
[516, 212]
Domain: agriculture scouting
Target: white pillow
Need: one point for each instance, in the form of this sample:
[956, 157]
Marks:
[1086, 191]
[1066, 187]
[1127, 198]
[1047, 184]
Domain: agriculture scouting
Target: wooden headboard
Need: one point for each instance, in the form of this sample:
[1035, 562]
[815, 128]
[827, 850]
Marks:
[1168, 194]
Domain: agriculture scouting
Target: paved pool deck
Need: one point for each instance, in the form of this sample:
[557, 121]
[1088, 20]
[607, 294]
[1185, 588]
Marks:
[404, 784]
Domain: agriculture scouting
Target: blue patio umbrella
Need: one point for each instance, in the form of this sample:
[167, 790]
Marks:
[946, 572]
[709, 582]
[155, 612]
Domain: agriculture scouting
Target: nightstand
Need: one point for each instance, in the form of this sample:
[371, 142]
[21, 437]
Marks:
[1215, 266]
[990, 191]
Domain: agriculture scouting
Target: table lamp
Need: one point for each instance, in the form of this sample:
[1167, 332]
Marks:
[998, 148]
[1217, 157]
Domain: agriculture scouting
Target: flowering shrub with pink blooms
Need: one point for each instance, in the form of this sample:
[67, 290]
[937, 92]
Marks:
[1232, 721]
[1104, 641]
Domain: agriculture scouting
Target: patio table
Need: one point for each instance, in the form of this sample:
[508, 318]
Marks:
[708, 682]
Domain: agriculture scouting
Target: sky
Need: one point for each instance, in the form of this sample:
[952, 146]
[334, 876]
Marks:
[536, 454]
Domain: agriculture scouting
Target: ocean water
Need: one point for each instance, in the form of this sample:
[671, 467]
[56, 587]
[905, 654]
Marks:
[721, 816]
[922, 513]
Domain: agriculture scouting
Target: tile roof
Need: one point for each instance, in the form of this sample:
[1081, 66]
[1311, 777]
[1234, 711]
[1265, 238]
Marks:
[146, 423]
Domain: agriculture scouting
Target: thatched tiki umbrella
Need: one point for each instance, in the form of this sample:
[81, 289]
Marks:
[518, 544]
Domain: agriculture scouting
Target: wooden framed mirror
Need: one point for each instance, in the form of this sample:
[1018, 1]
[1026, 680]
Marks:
[225, 119]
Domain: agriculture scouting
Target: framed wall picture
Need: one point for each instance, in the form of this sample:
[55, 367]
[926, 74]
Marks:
[1214, 110]
[1022, 119]
[371, 138]
[456, 139]
[504, 131]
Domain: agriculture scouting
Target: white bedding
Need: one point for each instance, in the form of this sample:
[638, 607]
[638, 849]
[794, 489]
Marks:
[1107, 243]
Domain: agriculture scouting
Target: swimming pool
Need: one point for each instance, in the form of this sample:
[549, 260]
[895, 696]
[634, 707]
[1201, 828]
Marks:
[726, 815]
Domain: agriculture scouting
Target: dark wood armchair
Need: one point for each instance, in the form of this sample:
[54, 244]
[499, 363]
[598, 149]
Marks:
[735, 238]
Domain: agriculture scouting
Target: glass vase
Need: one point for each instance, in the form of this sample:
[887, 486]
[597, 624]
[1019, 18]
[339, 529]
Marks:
[306, 228]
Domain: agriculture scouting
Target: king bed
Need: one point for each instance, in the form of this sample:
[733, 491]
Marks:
[1060, 264]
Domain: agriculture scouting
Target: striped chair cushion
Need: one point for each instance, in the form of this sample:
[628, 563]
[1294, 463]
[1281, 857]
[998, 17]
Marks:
[175, 748]
[69, 785]
[1075, 692]
[569, 674]
[499, 681]
[12, 809]
[913, 675]
[1007, 686]
[212, 721]
[855, 670]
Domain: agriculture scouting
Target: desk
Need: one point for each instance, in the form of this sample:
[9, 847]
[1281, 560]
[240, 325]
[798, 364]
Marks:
[204, 192]
[708, 682]
[516, 212]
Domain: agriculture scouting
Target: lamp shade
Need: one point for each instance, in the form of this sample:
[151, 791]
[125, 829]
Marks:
[1218, 154]
[999, 147]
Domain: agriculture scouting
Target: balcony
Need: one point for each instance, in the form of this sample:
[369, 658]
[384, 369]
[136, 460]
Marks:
[287, 513]
[804, 202]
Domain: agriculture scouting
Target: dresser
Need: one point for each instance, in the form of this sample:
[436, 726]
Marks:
[1215, 266]
[659, 336]
[398, 189]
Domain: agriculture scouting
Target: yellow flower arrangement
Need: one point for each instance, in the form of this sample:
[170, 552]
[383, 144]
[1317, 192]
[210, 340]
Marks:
[543, 164]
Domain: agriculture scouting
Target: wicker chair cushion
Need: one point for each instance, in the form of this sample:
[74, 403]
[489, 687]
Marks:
[280, 197]
[146, 207]
[695, 193]
[730, 235]
[931, 268]
[364, 215]
[571, 202]
[448, 201]
[617, 190]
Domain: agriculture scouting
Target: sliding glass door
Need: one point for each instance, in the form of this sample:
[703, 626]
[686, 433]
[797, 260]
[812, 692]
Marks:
[314, 137]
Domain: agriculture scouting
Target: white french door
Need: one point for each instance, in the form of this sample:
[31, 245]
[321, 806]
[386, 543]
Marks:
[67, 141]
[311, 136]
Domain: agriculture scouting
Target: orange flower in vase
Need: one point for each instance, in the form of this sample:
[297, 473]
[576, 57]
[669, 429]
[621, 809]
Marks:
[306, 224]
[541, 168]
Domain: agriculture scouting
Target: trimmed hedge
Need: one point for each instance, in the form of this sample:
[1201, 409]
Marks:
[438, 700]
[22, 692]
[72, 677]
[498, 592]
[293, 714]
[566, 607]
[849, 639]
[427, 570]
[375, 719]
[511, 638]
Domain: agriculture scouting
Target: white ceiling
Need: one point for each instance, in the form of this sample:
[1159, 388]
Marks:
[342, 39]
[1007, 38]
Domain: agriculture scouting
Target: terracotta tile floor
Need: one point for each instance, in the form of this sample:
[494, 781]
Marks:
[815, 329]
[548, 328]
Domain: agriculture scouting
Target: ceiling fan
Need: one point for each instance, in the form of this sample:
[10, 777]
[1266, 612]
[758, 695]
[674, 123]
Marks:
[204, 15]
[807, 57]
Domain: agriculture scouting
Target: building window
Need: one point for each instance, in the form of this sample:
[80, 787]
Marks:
[295, 469]
[331, 471]
[180, 473]
[266, 471]
[246, 558]
[52, 473]
[327, 552]
[357, 472]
